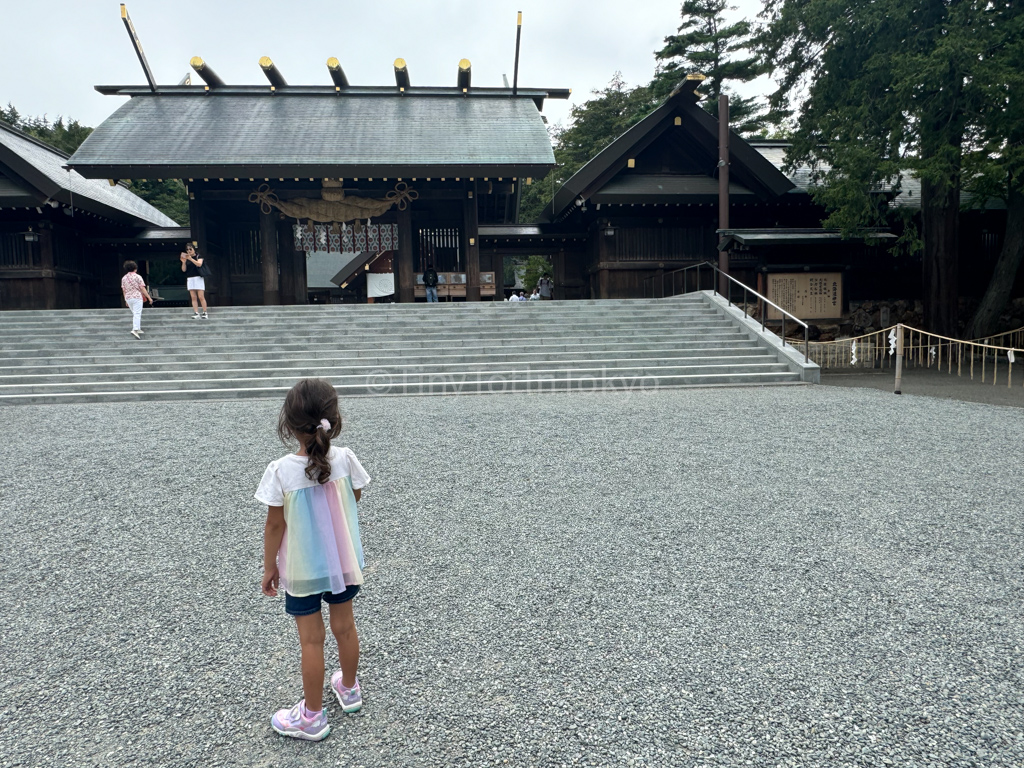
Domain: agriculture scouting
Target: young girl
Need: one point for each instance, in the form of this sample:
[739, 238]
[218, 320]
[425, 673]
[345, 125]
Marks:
[311, 548]
[134, 288]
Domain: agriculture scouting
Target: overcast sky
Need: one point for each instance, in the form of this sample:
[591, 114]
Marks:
[54, 52]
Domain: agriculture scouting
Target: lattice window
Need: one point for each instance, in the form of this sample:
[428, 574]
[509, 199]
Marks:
[243, 249]
[442, 246]
[15, 253]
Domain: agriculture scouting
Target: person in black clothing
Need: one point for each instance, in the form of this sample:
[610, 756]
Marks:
[430, 281]
[195, 279]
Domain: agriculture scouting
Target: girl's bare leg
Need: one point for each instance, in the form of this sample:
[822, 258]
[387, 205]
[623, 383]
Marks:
[202, 299]
[311, 639]
[343, 627]
[195, 302]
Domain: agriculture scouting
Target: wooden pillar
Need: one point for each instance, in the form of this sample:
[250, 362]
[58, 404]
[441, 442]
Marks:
[406, 275]
[723, 190]
[49, 268]
[286, 258]
[221, 266]
[471, 241]
[268, 258]
[602, 283]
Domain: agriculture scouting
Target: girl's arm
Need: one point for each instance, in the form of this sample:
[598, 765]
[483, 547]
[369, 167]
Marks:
[273, 532]
[198, 262]
[358, 493]
[184, 258]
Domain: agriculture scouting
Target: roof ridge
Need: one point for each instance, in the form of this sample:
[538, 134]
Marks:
[29, 137]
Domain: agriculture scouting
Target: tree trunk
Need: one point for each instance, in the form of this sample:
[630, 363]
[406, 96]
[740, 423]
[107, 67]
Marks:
[940, 219]
[986, 319]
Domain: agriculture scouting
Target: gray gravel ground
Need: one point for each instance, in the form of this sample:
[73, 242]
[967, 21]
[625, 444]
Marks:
[801, 576]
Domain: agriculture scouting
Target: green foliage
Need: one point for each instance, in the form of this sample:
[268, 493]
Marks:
[889, 88]
[536, 267]
[166, 272]
[594, 125]
[63, 136]
[168, 196]
[706, 44]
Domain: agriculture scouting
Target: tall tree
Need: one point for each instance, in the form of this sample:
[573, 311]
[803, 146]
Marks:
[593, 126]
[707, 44]
[994, 164]
[890, 88]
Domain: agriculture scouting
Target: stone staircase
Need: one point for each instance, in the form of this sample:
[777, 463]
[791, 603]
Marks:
[384, 349]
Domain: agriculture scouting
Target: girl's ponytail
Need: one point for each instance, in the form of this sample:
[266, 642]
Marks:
[310, 414]
[319, 467]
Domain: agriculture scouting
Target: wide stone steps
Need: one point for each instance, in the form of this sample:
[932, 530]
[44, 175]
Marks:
[84, 356]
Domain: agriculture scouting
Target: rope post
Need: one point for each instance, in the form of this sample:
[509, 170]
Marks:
[899, 359]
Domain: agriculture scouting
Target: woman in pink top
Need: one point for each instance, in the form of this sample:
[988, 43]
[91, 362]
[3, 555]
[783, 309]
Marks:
[134, 288]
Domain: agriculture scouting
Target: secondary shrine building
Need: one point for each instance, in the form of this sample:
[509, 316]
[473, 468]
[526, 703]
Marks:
[353, 189]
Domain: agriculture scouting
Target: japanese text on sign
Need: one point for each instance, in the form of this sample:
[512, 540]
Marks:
[808, 295]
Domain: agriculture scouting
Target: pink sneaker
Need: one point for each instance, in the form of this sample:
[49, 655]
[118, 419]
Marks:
[351, 699]
[293, 722]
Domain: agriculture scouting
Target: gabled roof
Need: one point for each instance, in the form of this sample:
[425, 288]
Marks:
[317, 133]
[34, 171]
[697, 131]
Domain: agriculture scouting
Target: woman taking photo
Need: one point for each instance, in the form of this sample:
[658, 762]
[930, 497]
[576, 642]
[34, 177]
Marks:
[195, 278]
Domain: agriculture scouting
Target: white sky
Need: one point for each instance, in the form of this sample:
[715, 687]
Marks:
[54, 52]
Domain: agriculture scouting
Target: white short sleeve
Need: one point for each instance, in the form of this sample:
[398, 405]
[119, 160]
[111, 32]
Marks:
[270, 491]
[355, 471]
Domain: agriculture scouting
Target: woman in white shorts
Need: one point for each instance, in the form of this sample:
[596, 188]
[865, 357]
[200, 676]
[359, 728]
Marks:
[190, 264]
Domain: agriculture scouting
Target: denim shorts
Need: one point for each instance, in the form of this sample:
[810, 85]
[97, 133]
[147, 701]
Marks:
[303, 606]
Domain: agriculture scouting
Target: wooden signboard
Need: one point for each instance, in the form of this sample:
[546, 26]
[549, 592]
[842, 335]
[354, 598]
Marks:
[808, 295]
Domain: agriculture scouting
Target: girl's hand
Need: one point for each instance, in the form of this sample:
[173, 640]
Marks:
[271, 580]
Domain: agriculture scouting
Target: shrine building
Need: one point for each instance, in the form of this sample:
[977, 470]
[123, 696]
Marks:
[57, 229]
[366, 184]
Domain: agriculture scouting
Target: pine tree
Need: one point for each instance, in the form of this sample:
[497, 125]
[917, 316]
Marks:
[706, 44]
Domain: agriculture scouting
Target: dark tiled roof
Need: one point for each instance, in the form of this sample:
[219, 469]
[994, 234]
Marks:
[41, 166]
[316, 135]
[748, 167]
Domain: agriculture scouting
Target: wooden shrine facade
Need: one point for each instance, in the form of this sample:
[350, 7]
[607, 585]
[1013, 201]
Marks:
[63, 237]
[647, 205]
[333, 191]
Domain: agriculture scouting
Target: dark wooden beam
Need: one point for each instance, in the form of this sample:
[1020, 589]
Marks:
[402, 74]
[48, 266]
[465, 75]
[203, 70]
[137, 44]
[406, 278]
[286, 259]
[337, 73]
[471, 241]
[272, 72]
[268, 258]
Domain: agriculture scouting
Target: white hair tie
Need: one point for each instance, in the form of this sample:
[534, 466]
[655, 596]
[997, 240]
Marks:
[325, 425]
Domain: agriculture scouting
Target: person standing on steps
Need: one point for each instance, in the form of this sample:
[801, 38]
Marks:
[134, 288]
[193, 265]
[545, 286]
[430, 281]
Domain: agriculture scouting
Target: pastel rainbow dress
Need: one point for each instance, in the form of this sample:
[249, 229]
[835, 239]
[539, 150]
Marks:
[321, 550]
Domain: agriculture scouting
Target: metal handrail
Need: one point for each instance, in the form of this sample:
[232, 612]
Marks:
[764, 301]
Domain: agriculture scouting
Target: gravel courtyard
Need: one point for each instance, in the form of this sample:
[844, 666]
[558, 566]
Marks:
[806, 576]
